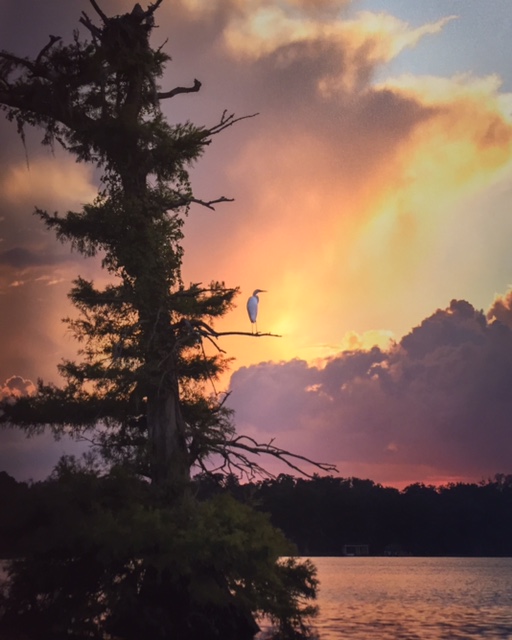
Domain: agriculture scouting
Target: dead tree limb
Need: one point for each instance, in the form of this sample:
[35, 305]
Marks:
[185, 201]
[46, 48]
[209, 204]
[28, 64]
[174, 92]
[98, 10]
[152, 8]
[205, 330]
[219, 334]
[89, 24]
[227, 121]
[237, 455]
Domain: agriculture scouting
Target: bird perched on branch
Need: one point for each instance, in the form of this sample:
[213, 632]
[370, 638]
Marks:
[252, 307]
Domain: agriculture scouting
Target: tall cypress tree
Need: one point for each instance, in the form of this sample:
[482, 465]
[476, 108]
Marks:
[141, 334]
[136, 391]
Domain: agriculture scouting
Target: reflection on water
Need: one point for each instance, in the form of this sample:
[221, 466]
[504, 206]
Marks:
[414, 598]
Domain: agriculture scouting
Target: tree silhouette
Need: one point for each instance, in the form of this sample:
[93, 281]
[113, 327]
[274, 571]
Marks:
[143, 360]
[137, 392]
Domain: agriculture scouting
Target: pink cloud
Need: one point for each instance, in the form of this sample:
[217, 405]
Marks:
[16, 387]
[438, 402]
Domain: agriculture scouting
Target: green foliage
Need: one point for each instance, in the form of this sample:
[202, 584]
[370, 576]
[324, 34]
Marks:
[105, 558]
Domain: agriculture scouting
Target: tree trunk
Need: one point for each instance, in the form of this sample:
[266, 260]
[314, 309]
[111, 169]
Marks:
[167, 446]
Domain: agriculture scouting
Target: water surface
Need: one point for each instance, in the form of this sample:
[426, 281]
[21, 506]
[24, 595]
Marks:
[414, 598]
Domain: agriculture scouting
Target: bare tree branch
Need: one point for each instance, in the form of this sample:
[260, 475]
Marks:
[28, 64]
[214, 343]
[153, 7]
[88, 23]
[99, 11]
[205, 330]
[219, 334]
[251, 446]
[182, 201]
[170, 94]
[209, 204]
[227, 121]
[163, 45]
[46, 48]
[226, 396]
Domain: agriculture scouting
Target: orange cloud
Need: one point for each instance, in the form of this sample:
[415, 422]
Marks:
[48, 180]
[16, 387]
[380, 36]
[344, 232]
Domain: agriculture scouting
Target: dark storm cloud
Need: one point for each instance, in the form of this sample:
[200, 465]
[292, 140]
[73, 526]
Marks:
[21, 258]
[439, 400]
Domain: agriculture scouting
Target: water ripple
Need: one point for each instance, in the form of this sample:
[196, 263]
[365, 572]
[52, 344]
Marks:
[414, 598]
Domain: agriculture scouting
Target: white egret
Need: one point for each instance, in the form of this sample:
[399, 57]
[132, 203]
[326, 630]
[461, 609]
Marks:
[252, 307]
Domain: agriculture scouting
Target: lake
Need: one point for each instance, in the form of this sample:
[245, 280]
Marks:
[414, 598]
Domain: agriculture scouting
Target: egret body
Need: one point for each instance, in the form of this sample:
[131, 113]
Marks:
[252, 307]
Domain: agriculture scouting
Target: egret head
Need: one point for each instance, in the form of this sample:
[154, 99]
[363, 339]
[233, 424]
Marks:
[256, 291]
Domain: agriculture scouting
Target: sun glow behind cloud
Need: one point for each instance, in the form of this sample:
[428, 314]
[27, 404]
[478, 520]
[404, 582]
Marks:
[350, 243]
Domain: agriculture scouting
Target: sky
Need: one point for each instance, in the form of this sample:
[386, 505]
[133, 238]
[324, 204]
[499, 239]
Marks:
[372, 197]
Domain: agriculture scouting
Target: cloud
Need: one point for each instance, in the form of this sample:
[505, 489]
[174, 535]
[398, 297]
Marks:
[53, 179]
[371, 183]
[22, 258]
[335, 163]
[438, 401]
[16, 387]
[374, 37]
[501, 309]
[51, 183]
[36, 270]
[34, 457]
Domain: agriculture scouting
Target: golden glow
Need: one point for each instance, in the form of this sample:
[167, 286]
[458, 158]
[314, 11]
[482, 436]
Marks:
[390, 35]
[353, 341]
[369, 39]
[51, 180]
[342, 251]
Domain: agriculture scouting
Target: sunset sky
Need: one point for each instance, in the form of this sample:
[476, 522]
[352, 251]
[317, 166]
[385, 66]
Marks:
[373, 197]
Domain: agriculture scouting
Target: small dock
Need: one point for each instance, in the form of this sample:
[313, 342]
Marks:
[356, 550]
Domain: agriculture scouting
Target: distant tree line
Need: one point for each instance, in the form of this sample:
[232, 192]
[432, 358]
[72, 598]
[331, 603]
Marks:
[320, 515]
[324, 514]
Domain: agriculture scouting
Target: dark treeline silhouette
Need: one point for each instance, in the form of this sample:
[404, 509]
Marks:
[323, 515]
